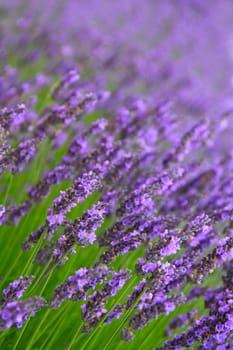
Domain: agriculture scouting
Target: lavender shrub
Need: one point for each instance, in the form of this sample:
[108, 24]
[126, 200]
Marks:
[116, 175]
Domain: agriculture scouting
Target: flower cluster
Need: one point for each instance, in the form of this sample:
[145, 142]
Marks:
[14, 312]
[116, 171]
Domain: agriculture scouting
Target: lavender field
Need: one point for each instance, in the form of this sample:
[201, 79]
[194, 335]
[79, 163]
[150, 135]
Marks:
[116, 175]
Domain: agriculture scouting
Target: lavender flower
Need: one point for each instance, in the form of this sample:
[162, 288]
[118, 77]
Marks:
[16, 289]
[15, 313]
[116, 172]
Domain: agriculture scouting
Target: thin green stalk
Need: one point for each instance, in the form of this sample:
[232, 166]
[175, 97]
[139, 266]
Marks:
[103, 319]
[26, 324]
[38, 329]
[57, 329]
[21, 334]
[44, 318]
[124, 318]
[8, 188]
[74, 338]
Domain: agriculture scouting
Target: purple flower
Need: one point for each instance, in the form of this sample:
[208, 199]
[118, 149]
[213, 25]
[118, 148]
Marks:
[16, 288]
[15, 313]
[145, 168]
[149, 267]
